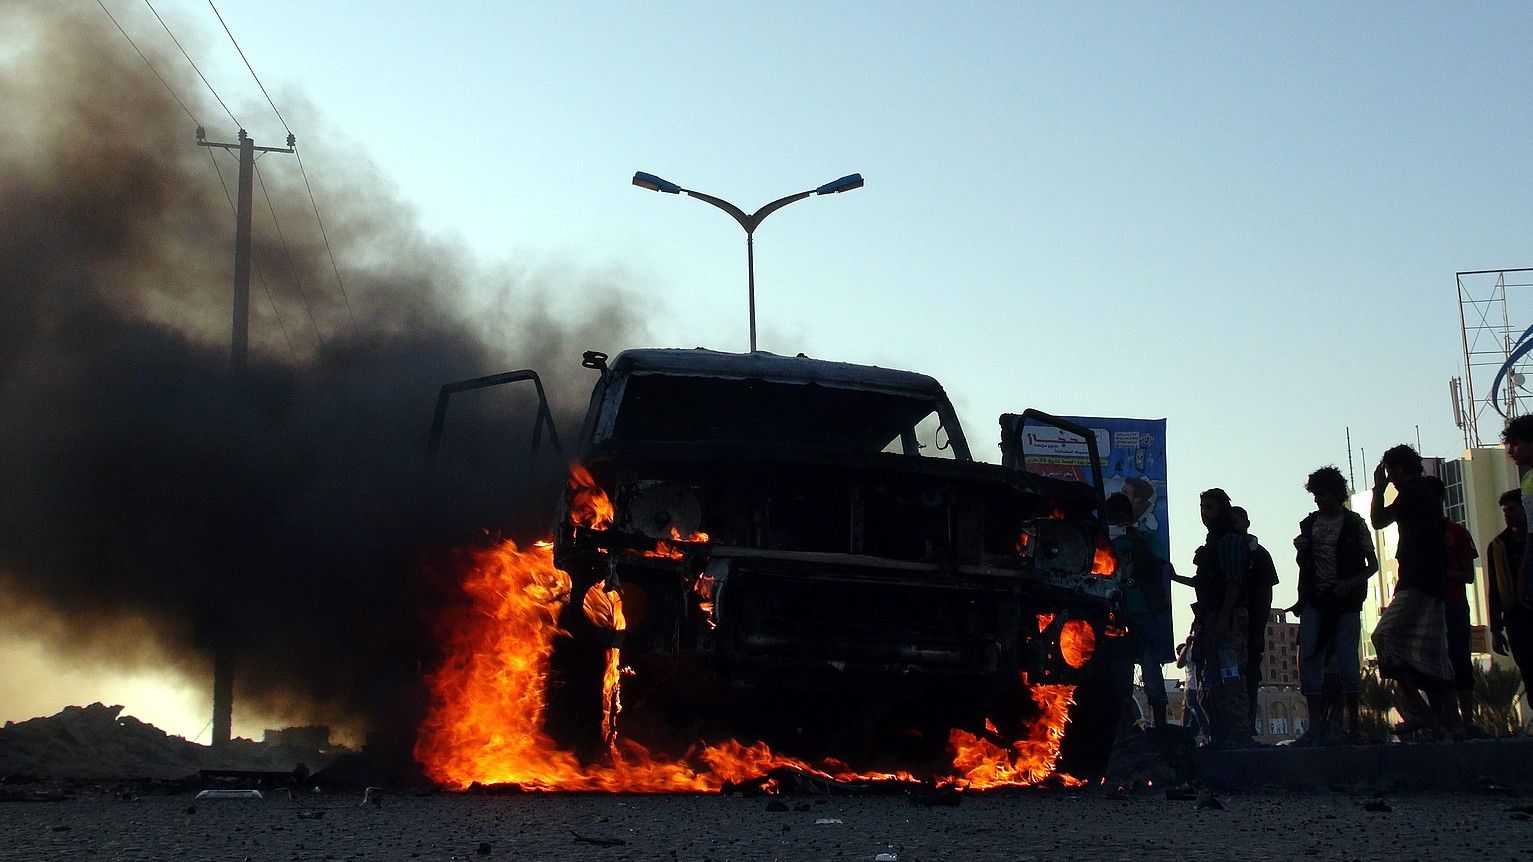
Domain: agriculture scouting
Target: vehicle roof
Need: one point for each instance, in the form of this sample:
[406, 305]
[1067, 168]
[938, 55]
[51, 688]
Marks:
[772, 367]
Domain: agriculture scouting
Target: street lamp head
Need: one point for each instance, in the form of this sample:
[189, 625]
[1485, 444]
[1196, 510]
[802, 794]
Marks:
[845, 184]
[656, 184]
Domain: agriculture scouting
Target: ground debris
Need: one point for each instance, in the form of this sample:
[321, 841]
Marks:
[598, 841]
[1182, 793]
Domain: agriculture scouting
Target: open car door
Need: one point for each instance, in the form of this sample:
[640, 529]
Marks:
[1036, 442]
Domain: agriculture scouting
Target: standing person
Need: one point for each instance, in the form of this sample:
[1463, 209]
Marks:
[1261, 577]
[1193, 719]
[1336, 558]
[1411, 638]
[1147, 598]
[1507, 594]
[1518, 437]
[1221, 619]
[1461, 554]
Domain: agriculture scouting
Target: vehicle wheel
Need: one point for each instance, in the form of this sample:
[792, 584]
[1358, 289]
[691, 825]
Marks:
[1101, 691]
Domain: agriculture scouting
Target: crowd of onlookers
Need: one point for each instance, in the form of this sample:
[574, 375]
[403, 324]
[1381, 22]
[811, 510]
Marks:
[1422, 640]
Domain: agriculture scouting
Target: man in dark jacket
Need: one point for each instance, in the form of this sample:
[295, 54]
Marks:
[1336, 558]
[1220, 613]
[1511, 605]
[1261, 577]
[1411, 638]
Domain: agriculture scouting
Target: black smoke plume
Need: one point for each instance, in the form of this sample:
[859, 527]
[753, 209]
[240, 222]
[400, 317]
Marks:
[290, 514]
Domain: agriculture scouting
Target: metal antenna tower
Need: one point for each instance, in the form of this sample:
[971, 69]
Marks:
[1492, 320]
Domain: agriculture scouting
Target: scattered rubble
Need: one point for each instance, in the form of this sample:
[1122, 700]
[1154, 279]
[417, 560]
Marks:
[99, 743]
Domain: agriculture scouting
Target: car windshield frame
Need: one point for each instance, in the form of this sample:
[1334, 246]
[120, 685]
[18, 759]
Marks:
[668, 407]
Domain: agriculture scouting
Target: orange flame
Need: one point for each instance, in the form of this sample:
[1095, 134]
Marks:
[1044, 620]
[703, 589]
[671, 548]
[604, 608]
[485, 722]
[1104, 562]
[1077, 642]
[980, 763]
[589, 504]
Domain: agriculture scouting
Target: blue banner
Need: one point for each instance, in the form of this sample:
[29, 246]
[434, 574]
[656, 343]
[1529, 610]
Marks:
[1132, 456]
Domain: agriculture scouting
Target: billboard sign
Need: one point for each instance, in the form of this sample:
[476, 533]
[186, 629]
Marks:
[1131, 454]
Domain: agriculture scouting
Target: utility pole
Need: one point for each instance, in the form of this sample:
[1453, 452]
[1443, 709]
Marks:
[223, 649]
[241, 324]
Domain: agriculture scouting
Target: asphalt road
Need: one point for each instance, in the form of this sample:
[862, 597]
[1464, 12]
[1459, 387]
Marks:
[1142, 825]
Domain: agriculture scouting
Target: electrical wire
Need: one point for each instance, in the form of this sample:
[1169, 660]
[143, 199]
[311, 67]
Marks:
[220, 171]
[251, 68]
[333, 266]
[265, 286]
[287, 251]
[156, 72]
[194, 64]
[313, 203]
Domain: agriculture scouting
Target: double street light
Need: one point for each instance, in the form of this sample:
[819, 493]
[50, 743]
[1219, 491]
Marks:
[749, 222]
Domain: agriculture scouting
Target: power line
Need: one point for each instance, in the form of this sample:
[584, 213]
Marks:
[156, 72]
[345, 298]
[336, 269]
[194, 64]
[271, 300]
[251, 68]
[288, 252]
[220, 172]
[309, 186]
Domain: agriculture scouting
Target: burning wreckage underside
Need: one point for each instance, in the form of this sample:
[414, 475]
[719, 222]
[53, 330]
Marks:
[800, 552]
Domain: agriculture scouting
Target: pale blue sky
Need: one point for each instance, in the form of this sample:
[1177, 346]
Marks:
[1244, 218]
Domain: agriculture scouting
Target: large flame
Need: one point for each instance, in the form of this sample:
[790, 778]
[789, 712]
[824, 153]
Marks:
[485, 722]
[979, 763]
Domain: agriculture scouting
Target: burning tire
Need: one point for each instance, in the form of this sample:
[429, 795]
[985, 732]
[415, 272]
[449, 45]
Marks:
[1101, 689]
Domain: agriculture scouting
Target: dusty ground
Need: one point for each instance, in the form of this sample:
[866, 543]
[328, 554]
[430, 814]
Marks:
[1140, 826]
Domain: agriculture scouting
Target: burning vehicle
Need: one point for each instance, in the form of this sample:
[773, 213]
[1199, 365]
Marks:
[805, 552]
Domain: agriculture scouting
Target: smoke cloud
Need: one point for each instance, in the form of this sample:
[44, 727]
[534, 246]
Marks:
[292, 513]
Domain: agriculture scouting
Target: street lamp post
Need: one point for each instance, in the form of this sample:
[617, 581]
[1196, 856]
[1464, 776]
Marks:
[749, 222]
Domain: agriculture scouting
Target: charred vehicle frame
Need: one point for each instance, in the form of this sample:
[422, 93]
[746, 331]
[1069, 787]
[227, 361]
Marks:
[781, 536]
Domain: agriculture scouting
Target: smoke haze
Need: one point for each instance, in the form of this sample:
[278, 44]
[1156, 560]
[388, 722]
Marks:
[291, 514]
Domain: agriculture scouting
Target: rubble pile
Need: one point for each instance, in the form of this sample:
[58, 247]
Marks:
[97, 742]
